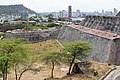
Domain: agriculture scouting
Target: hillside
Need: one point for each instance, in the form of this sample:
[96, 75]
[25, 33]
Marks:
[14, 9]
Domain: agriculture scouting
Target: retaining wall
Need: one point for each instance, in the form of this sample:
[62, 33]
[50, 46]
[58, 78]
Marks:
[34, 36]
[105, 50]
[105, 23]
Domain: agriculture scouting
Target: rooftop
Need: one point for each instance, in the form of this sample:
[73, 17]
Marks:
[100, 33]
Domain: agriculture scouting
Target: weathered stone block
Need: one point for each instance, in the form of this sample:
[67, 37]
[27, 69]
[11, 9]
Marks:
[105, 49]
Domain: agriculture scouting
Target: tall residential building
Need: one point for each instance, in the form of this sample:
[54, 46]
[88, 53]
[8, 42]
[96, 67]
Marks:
[55, 14]
[78, 13]
[69, 11]
[115, 11]
[108, 13]
[103, 12]
[65, 13]
[60, 14]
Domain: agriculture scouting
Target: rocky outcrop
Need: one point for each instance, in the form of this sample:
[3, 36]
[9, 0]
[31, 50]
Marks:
[106, 46]
[105, 23]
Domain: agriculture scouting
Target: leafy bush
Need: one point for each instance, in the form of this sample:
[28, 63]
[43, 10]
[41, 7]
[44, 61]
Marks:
[1, 34]
[52, 25]
[40, 26]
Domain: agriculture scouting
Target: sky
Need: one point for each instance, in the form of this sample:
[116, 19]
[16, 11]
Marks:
[57, 5]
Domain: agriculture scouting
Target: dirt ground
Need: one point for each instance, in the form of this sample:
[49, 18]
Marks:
[45, 72]
[38, 48]
[61, 71]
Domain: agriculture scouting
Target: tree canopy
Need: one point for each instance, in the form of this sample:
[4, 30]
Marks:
[52, 58]
[76, 50]
[12, 51]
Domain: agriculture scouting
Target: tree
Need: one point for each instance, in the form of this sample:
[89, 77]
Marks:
[52, 24]
[52, 58]
[77, 49]
[12, 52]
[50, 18]
[22, 66]
[23, 60]
[18, 19]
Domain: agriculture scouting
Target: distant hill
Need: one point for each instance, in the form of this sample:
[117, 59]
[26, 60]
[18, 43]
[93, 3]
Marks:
[15, 9]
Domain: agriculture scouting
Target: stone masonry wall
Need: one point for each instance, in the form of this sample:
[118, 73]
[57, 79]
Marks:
[117, 41]
[34, 36]
[105, 23]
[103, 48]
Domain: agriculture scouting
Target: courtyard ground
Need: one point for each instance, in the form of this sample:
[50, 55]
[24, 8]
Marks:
[60, 70]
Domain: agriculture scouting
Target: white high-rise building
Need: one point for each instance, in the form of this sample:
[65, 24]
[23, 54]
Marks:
[65, 13]
[103, 12]
[55, 14]
[78, 13]
[60, 14]
[115, 11]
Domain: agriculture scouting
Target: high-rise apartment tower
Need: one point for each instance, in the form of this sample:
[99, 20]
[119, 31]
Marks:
[69, 11]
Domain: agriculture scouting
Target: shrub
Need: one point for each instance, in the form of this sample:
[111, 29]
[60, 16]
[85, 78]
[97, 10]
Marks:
[52, 25]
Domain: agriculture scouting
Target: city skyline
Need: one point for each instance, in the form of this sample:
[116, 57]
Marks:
[57, 5]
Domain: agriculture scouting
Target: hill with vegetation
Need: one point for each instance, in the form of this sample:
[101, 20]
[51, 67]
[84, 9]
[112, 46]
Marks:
[15, 9]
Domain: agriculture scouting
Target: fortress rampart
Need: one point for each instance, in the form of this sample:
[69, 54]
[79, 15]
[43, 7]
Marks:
[106, 45]
[33, 36]
[105, 23]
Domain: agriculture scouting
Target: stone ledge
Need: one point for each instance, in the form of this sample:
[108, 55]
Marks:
[100, 33]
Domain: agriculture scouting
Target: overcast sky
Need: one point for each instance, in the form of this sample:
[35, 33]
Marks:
[57, 5]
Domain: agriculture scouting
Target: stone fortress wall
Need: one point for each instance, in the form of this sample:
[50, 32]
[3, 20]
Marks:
[33, 36]
[102, 32]
[105, 23]
[106, 45]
